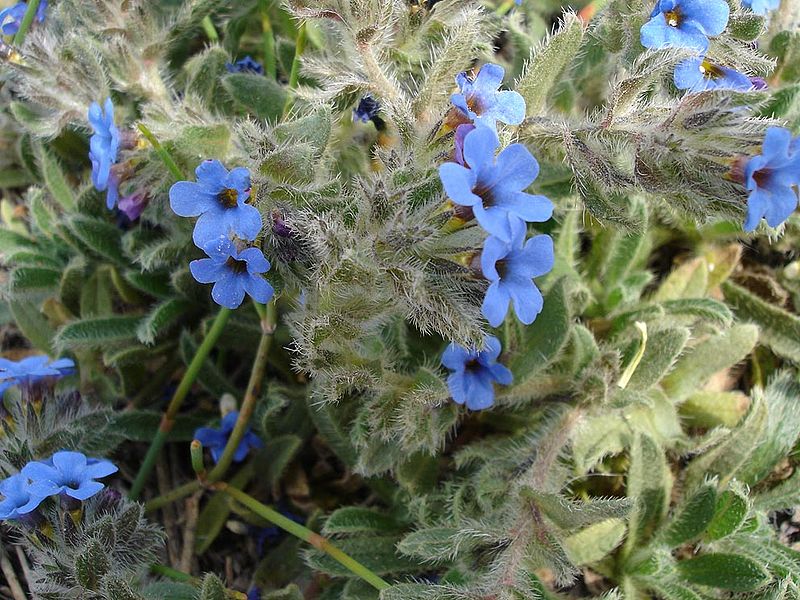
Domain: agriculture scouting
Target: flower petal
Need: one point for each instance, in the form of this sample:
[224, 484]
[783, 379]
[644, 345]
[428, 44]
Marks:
[495, 304]
[206, 270]
[188, 199]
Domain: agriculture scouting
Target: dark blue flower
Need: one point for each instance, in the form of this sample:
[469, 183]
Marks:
[761, 7]
[69, 473]
[33, 368]
[511, 267]
[218, 198]
[770, 177]
[233, 273]
[18, 497]
[254, 593]
[245, 65]
[103, 150]
[480, 101]
[367, 109]
[699, 74]
[11, 18]
[685, 23]
[215, 439]
[493, 188]
[474, 374]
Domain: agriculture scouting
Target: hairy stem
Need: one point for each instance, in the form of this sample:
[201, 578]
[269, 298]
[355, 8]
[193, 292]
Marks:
[294, 75]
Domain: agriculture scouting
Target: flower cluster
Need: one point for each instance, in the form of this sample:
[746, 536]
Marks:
[474, 374]
[11, 18]
[65, 474]
[216, 439]
[245, 65]
[31, 370]
[226, 222]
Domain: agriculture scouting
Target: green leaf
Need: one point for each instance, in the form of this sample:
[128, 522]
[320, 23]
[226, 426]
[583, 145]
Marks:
[141, 426]
[419, 473]
[724, 571]
[33, 325]
[693, 516]
[649, 486]
[212, 588]
[746, 27]
[205, 71]
[259, 95]
[54, 178]
[26, 280]
[707, 309]
[167, 590]
[161, 319]
[100, 236]
[210, 377]
[96, 300]
[274, 459]
[595, 542]
[570, 515]
[779, 329]
[784, 495]
[712, 409]
[376, 552]
[662, 350]
[352, 519]
[96, 332]
[730, 511]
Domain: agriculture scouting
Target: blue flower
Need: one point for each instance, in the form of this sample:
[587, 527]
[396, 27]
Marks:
[511, 267]
[769, 178]
[103, 149]
[367, 109]
[254, 593]
[11, 18]
[218, 198]
[474, 374]
[69, 473]
[233, 273]
[18, 497]
[245, 65]
[493, 189]
[215, 439]
[480, 101]
[761, 7]
[685, 23]
[33, 368]
[699, 74]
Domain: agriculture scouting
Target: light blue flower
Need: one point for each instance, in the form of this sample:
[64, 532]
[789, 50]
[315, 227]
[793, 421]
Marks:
[475, 373]
[761, 7]
[33, 368]
[103, 150]
[770, 177]
[69, 473]
[685, 23]
[18, 497]
[11, 18]
[511, 267]
[233, 273]
[480, 100]
[216, 439]
[699, 74]
[493, 188]
[218, 198]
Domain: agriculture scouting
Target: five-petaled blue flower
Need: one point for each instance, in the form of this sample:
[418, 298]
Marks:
[104, 146]
[69, 473]
[474, 374]
[245, 65]
[770, 178]
[215, 439]
[480, 101]
[685, 23]
[761, 7]
[218, 198]
[511, 267]
[493, 189]
[11, 18]
[699, 74]
[31, 369]
[233, 273]
[18, 497]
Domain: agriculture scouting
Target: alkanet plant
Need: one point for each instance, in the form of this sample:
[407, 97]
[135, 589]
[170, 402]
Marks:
[497, 300]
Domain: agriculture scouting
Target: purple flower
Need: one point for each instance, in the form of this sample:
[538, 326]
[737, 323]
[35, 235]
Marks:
[104, 146]
[233, 273]
[11, 18]
[33, 368]
[18, 497]
[218, 198]
[685, 23]
[245, 65]
[474, 374]
[770, 177]
[493, 188]
[134, 204]
[759, 83]
[761, 7]
[216, 439]
[70, 473]
[480, 101]
[511, 267]
[699, 74]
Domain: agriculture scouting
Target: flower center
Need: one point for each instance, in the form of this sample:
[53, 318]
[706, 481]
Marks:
[237, 266]
[673, 18]
[710, 70]
[485, 193]
[501, 266]
[228, 197]
[473, 366]
[762, 177]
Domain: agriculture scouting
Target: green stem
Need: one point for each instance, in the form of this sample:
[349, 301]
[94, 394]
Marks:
[27, 21]
[304, 534]
[270, 63]
[187, 489]
[250, 397]
[294, 75]
[162, 152]
[168, 420]
[208, 27]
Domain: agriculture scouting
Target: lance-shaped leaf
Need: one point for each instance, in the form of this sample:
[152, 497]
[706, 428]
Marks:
[731, 572]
